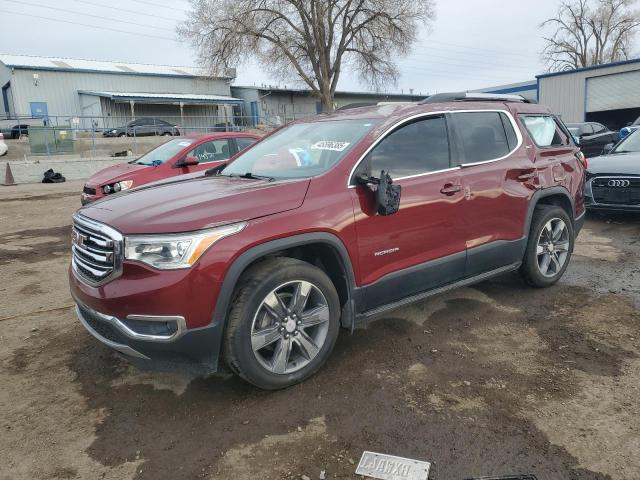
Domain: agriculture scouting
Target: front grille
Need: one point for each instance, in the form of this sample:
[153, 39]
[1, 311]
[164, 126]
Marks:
[616, 191]
[96, 250]
[102, 328]
[89, 190]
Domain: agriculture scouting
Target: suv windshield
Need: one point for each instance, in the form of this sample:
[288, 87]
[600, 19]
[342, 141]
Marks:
[164, 152]
[629, 144]
[301, 150]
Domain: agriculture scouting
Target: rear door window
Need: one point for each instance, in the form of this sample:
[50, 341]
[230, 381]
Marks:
[545, 131]
[212, 151]
[413, 149]
[485, 136]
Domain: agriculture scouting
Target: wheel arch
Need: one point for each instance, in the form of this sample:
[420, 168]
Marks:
[558, 196]
[320, 249]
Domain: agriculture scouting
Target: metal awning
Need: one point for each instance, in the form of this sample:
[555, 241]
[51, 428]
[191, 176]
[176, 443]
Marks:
[164, 98]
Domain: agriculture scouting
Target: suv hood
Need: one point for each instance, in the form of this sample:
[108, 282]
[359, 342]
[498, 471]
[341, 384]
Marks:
[194, 204]
[619, 163]
[115, 173]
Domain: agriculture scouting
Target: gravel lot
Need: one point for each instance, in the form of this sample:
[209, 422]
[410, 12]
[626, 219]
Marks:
[491, 380]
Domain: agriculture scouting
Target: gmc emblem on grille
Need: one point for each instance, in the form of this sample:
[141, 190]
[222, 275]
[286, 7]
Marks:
[618, 183]
[78, 239]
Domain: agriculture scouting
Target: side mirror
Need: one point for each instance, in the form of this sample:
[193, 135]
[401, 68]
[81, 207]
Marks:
[387, 194]
[607, 148]
[188, 162]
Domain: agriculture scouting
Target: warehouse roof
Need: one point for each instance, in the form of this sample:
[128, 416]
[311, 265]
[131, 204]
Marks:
[163, 97]
[98, 66]
[593, 67]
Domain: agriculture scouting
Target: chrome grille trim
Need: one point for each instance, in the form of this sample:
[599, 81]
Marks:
[600, 192]
[97, 258]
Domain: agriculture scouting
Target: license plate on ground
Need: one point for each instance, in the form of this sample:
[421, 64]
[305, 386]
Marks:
[389, 467]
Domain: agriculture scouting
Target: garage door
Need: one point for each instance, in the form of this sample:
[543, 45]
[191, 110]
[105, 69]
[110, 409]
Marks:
[613, 92]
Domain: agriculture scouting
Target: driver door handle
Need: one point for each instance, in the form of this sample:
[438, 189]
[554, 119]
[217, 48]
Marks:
[450, 189]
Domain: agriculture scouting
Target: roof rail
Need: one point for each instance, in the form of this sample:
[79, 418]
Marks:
[349, 106]
[475, 97]
[372, 104]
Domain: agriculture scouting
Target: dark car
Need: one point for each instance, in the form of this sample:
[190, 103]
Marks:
[143, 127]
[327, 223]
[613, 180]
[592, 137]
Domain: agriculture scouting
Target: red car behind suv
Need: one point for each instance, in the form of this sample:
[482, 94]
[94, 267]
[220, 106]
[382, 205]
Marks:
[328, 222]
[187, 154]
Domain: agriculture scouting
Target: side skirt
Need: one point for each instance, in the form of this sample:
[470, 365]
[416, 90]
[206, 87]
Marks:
[370, 315]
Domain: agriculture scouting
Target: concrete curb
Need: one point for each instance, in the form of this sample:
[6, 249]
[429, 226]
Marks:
[72, 168]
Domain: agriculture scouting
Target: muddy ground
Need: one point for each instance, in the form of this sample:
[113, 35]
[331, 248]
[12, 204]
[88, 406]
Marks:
[491, 380]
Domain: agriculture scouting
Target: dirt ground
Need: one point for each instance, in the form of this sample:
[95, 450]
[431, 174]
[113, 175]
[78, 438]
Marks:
[492, 380]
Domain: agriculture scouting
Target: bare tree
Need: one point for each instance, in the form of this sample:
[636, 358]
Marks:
[308, 40]
[586, 34]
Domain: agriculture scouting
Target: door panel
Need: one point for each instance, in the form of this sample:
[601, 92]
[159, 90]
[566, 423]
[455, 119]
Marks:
[427, 228]
[421, 246]
[498, 179]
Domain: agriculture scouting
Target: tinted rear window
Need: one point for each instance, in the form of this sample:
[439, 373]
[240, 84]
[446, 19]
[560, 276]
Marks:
[485, 135]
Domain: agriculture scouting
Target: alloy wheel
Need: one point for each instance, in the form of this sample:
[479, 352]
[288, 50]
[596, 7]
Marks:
[552, 249]
[290, 327]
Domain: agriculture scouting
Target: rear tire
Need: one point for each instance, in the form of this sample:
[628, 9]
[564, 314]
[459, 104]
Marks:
[283, 323]
[549, 247]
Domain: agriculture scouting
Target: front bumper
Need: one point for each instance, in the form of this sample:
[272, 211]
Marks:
[161, 320]
[192, 351]
[592, 205]
[86, 199]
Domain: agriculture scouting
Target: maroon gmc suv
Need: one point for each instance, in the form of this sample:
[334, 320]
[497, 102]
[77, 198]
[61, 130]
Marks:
[326, 223]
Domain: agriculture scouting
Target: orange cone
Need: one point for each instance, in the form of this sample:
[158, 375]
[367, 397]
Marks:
[8, 176]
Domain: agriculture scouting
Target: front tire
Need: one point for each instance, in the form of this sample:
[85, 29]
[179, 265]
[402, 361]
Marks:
[549, 248]
[283, 323]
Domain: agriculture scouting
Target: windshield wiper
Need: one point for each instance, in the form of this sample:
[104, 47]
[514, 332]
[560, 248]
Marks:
[253, 176]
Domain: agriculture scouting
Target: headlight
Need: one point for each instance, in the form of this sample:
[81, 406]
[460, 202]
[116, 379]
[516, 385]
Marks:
[114, 131]
[124, 185]
[118, 186]
[168, 252]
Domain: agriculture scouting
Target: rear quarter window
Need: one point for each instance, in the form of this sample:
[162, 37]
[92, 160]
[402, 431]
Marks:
[545, 130]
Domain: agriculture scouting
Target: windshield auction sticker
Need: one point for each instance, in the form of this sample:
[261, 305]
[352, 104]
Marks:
[330, 145]
[388, 467]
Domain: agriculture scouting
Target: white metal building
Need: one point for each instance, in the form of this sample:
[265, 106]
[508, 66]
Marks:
[275, 103]
[609, 94]
[108, 94]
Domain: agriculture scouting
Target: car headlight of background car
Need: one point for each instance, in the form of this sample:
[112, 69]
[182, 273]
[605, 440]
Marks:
[168, 252]
[117, 186]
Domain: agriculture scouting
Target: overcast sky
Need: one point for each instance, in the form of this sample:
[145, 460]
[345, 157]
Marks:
[472, 44]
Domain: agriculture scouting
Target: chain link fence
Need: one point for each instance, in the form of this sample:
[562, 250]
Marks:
[99, 137]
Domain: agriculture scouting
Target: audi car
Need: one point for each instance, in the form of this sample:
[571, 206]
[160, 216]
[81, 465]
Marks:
[613, 180]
